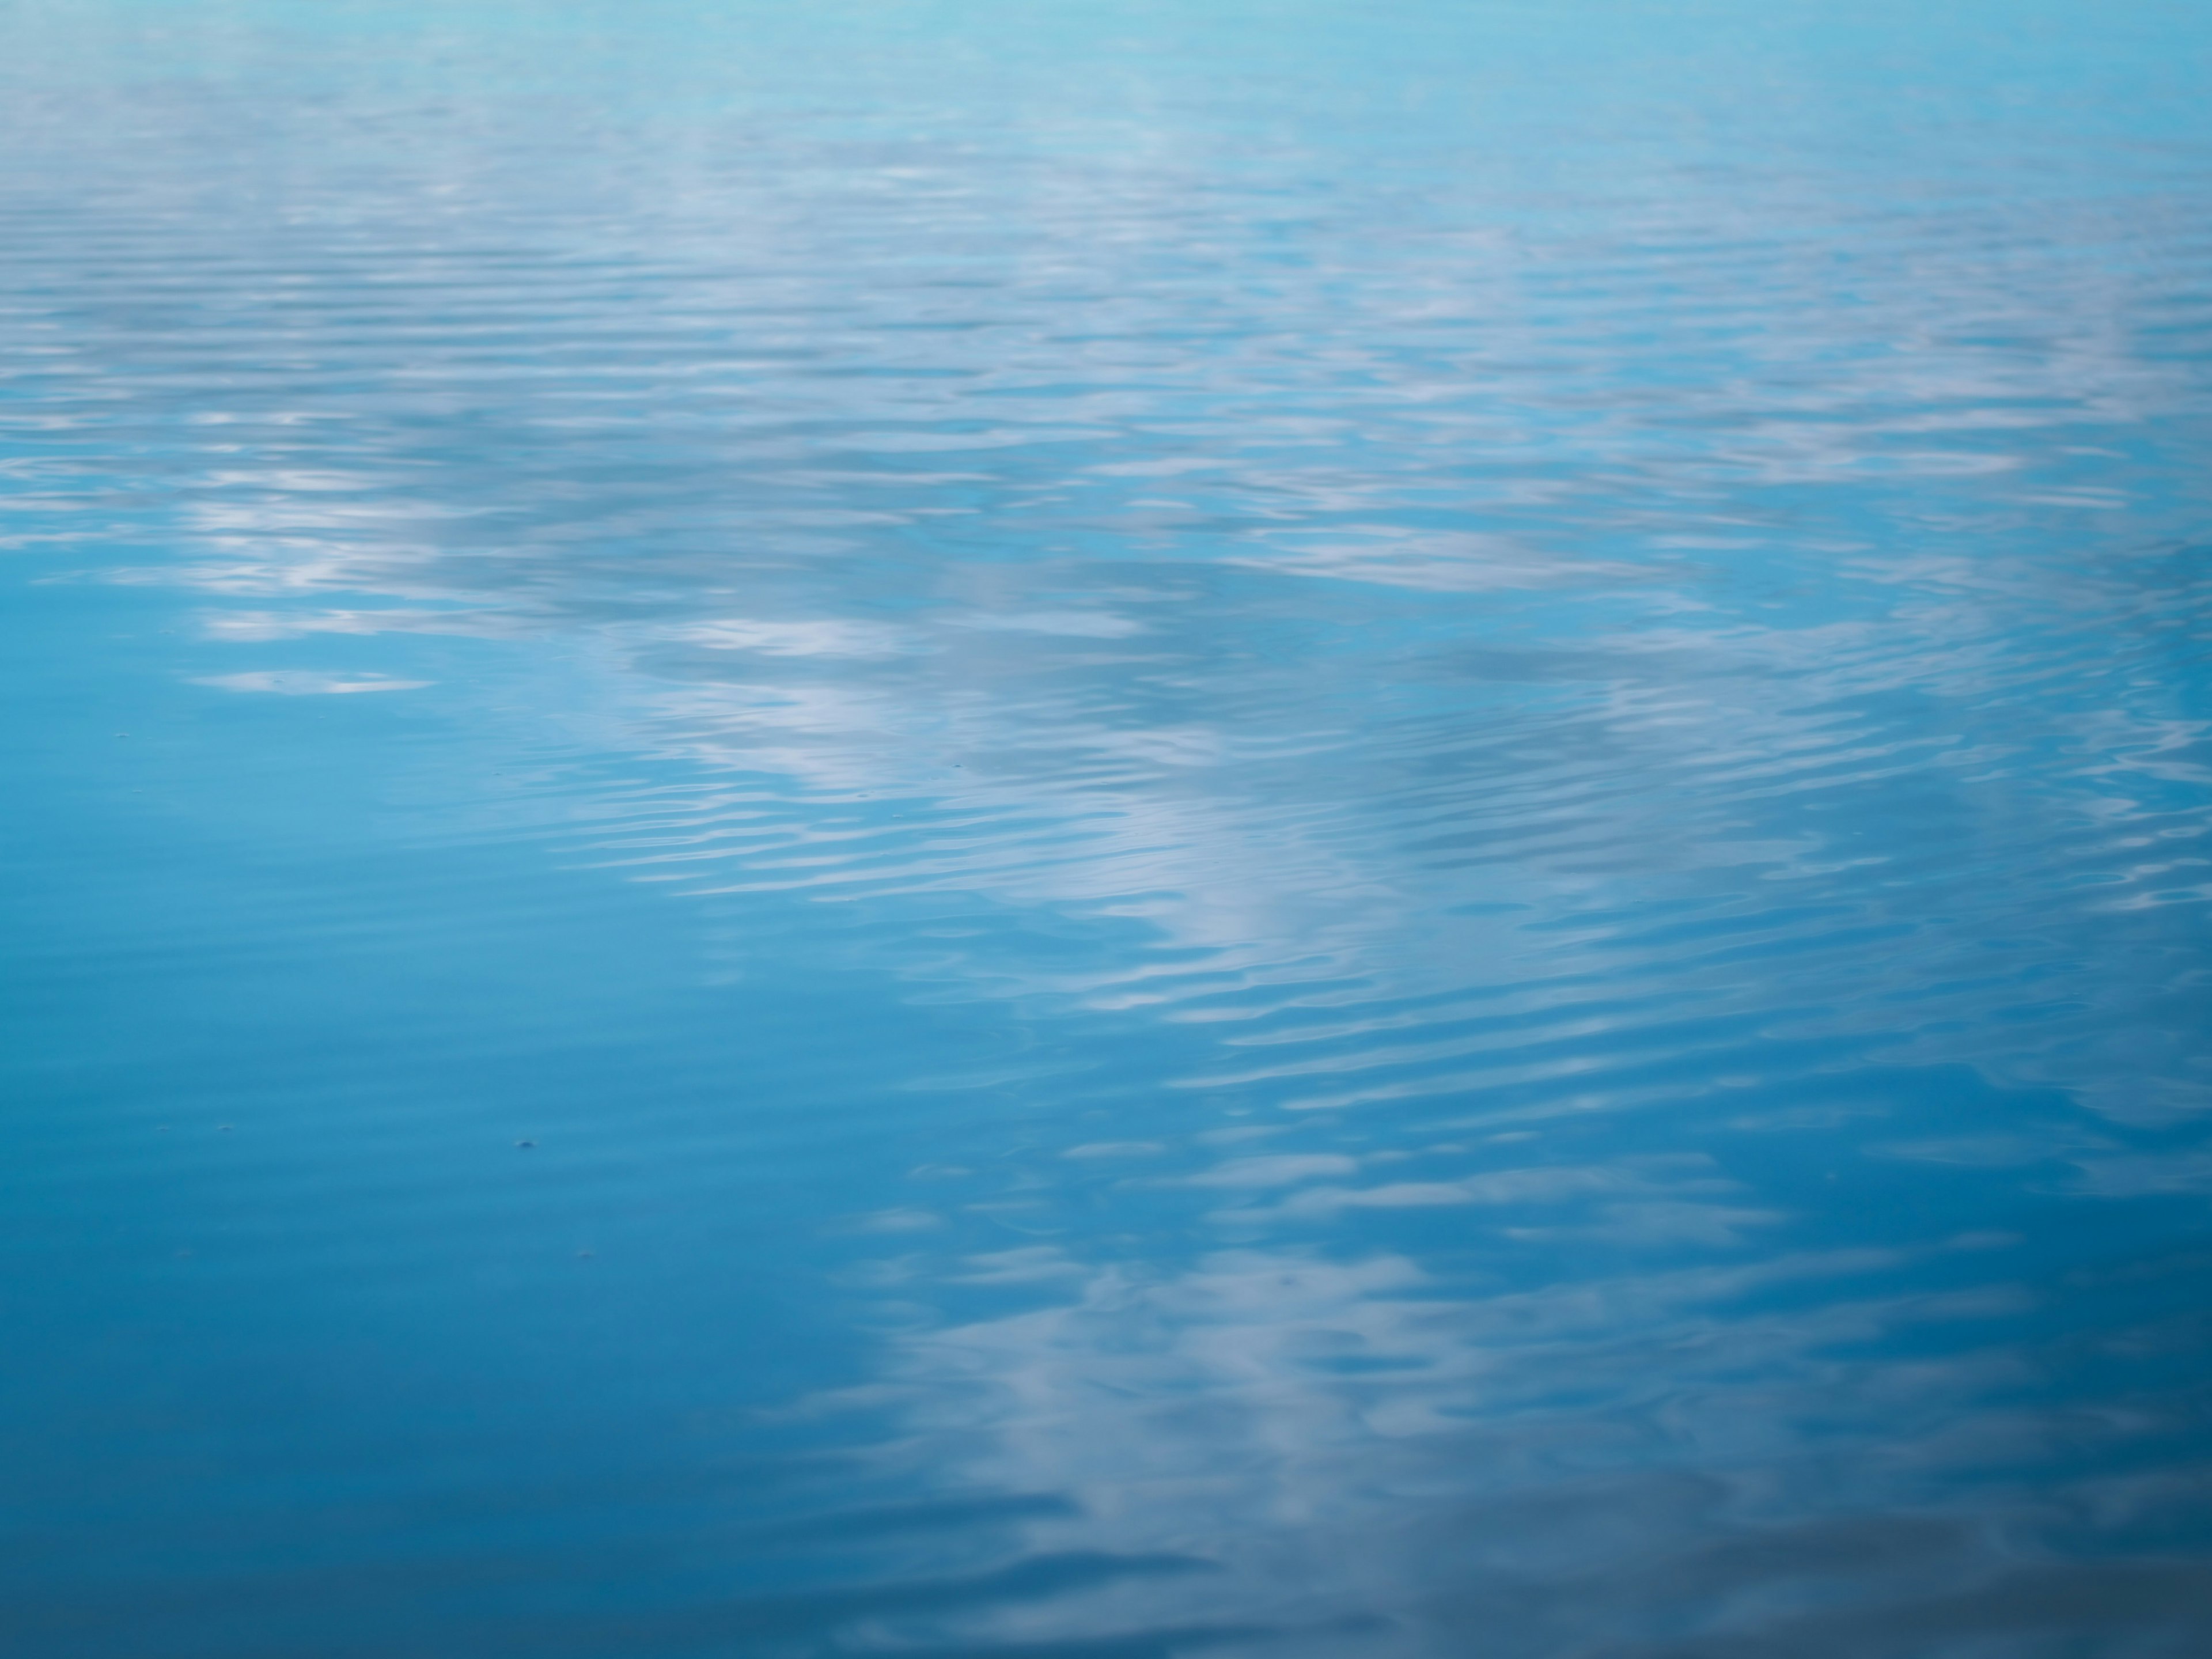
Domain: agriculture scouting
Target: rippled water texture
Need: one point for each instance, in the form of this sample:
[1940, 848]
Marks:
[1098, 829]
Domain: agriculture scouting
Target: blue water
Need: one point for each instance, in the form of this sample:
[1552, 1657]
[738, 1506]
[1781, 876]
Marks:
[1097, 830]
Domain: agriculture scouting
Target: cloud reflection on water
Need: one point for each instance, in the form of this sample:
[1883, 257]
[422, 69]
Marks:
[1455, 827]
[1628, 721]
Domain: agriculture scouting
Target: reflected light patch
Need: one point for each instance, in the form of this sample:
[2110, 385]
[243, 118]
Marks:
[306, 683]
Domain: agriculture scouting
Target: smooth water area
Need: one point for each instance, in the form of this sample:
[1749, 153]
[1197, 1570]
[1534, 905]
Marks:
[1098, 829]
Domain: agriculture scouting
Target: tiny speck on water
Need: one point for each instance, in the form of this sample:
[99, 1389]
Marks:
[525, 1143]
[581, 1254]
[222, 1128]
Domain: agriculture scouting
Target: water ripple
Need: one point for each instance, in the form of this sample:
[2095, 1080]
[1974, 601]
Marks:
[1246, 830]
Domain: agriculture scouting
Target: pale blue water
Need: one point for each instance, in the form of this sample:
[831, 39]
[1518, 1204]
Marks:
[1094, 830]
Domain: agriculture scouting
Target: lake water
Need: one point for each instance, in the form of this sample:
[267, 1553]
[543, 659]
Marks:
[1098, 829]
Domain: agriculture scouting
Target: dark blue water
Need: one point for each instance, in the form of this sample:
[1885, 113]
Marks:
[1098, 829]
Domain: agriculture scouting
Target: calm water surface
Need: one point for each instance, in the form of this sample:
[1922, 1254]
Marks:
[1106, 829]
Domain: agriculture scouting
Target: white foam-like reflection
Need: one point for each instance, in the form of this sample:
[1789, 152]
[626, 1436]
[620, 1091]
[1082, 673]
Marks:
[308, 682]
[1325, 1435]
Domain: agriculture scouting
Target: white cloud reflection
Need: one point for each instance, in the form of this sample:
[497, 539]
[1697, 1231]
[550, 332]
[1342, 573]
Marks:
[1548, 1470]
[307, 683]
[1460, 703]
